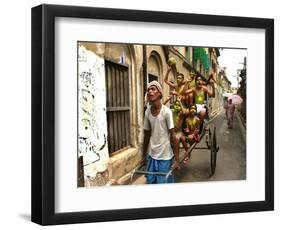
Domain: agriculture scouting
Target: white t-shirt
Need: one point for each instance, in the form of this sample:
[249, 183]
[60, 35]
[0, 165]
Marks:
[159, 145]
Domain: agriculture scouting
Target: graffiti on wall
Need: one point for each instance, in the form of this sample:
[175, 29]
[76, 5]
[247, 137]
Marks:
[92, 136]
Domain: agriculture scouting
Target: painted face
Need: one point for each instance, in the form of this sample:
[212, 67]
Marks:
[193, 109]
[179, 79]
[192, 75]
[153, 94]
[177, 106]
[199, 81]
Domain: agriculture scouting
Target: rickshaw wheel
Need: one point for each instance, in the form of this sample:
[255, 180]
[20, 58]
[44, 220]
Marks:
[214, 150]
[208, 138]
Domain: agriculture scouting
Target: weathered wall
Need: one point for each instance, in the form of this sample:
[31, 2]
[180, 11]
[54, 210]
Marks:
[92, 134]
[157, 53]
[123, 161]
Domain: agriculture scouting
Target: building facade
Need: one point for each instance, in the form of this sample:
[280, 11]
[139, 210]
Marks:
[242, 90]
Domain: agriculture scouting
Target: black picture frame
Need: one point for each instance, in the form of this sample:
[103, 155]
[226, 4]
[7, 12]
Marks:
[43, 114]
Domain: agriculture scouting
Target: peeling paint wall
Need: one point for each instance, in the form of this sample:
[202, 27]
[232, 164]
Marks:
[92, 124]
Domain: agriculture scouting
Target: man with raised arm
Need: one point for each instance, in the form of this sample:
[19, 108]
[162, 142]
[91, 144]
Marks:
[179, 87]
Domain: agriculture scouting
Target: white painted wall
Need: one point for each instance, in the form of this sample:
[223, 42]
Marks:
[92, 124]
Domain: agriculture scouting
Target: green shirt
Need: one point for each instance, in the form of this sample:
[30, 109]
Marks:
[199, 97]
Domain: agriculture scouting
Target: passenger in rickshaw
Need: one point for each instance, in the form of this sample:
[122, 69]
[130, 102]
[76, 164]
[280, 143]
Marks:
[179, 87]
[190, 84]
[199, 93]
[192, 125]
[179, 114]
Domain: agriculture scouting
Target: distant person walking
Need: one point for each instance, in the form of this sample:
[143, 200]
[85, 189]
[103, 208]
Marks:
[230, 108]
[225, 106]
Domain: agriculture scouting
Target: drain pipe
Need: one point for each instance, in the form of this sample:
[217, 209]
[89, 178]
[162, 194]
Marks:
[144, 68]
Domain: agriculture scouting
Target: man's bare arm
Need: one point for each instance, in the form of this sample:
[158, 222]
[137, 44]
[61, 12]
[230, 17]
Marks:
[176, 164]
[213, 92]
[166, 78]
[192, 90]
[147, 134]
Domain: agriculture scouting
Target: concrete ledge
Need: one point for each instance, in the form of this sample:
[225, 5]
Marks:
[241, 126]
[122, 163]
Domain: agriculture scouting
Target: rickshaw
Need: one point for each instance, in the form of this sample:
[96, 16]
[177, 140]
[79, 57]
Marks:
[207, 134]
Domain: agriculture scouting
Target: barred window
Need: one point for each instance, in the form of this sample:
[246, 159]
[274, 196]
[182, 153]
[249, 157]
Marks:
[118, 106]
